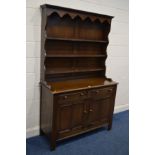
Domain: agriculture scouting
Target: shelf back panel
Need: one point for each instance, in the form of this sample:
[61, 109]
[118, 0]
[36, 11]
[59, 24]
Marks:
[74, 63]
[71, 76]
[58, 47]
[66, 48]
[60, 28]
[66, 27]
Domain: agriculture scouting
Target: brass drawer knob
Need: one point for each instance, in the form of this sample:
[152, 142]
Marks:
[97, 91]
[81, 94]
[109, 90]
[91, 110]
[85, 112]
[65, 97]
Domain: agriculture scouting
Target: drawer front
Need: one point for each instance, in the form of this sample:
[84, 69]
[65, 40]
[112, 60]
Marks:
[101, 92]
[76, 96]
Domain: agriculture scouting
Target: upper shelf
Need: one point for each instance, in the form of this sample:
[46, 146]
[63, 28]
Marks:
[76, 40]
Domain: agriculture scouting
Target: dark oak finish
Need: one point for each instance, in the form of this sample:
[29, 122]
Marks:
[76, 95]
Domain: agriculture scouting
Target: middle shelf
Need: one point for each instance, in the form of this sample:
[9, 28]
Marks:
[74, 56]
[76, 40]
[63, 71]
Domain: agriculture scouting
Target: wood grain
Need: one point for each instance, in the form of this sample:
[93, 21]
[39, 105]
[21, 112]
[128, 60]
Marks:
[76, 95]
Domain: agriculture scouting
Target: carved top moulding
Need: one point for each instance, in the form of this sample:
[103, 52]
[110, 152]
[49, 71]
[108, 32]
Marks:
[83, 15]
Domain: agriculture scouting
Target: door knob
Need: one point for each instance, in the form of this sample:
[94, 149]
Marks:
[85, 112]
[90, 110]
[65, 97]
[109, 90]
[81, 94]
[97, 91]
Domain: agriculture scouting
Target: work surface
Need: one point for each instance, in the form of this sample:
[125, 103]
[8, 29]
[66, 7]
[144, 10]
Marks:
[77, 84]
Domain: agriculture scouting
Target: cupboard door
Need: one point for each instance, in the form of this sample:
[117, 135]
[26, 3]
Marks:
[70, 118]
[99, 111]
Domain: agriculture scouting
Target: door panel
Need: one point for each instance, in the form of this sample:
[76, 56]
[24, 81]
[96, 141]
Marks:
[64, 117]
[77, 115]
[70, 117]
[99, 111]
[105, 108]
[94, 111]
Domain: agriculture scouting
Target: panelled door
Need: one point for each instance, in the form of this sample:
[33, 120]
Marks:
[71, 117]
[99, 111]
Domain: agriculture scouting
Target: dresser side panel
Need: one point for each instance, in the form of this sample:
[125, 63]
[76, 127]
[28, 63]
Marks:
[46, 110]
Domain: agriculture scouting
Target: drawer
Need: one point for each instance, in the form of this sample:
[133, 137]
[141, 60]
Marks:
[76, 96]
[101, 92]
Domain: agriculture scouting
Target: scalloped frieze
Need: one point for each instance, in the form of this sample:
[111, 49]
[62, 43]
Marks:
[82, 16]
